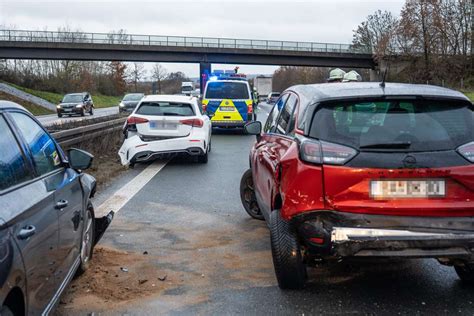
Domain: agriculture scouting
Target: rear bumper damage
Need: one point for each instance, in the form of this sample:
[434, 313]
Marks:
[135, 150]
[336, 234]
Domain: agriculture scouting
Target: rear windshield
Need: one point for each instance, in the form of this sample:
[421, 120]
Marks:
[227, 90]
[165, 109]
[133, 97]
[275, 95]
[395, 125]
[187, 88]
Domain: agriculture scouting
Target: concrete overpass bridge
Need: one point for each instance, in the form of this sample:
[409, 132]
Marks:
[20, 44]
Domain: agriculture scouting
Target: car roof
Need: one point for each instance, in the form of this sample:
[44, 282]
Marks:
[9, 105]
[315, 93]
[168, 98]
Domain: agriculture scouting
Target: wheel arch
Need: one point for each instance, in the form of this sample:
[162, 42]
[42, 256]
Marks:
[15, 301]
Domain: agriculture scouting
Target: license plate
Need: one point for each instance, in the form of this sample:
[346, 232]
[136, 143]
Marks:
[227, 108]
[67, 110]
[382, 189]
[162, 125]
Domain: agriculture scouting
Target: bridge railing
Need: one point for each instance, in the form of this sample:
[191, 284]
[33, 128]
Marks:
[177, 41]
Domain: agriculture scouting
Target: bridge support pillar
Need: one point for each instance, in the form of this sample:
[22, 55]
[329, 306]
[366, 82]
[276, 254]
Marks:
[205, 71]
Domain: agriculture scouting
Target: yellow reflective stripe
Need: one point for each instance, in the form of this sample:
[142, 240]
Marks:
[205, 102]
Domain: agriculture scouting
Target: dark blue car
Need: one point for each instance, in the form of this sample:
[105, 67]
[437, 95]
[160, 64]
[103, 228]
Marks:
[47, 223]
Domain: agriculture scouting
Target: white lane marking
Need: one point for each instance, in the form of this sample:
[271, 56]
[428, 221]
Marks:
[128, 191]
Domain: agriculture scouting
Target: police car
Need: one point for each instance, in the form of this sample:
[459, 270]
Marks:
[227, 100]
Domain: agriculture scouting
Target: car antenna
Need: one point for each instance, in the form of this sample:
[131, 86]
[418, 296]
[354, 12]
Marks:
[382, 84]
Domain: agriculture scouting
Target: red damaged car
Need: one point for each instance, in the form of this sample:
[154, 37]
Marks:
[364, 170]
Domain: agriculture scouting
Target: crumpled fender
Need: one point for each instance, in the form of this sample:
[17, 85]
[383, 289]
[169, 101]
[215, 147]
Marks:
[89, 186]
[129, 143]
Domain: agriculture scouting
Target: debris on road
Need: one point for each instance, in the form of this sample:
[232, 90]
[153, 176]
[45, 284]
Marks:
[163, 278]
[124, 269]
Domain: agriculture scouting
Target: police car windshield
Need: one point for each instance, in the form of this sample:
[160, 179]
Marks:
[227, 90]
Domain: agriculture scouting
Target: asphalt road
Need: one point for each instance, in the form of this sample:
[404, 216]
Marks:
[218, 261]
[52, 119]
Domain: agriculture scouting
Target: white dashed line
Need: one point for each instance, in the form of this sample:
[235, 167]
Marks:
[128, 191]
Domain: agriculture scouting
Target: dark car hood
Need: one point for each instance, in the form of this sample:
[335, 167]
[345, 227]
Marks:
[130, 103]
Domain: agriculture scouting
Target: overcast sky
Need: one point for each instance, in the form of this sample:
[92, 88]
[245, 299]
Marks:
[317, 20]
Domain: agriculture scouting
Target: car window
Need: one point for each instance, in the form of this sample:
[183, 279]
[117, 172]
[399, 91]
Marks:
[165, 109]
[286, 114]
[45, 154]
[422, 125]
[13, 168]
[270, 125]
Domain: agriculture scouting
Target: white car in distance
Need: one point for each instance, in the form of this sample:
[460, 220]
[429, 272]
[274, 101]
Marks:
[165, 125]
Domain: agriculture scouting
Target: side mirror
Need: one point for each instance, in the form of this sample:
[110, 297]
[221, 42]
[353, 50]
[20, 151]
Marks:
[253, 128]
[79, 159]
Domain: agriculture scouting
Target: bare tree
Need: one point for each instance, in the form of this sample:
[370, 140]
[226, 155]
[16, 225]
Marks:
[159, 74]
[136, 73]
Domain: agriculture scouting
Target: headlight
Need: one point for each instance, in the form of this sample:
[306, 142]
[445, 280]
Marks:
[79, 106]
[121, 104]
[58, 106]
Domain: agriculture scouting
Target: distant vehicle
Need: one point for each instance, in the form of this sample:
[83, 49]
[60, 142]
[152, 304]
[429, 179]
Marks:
[47, 223]
[263, 85]
[364, 170]
[273, 97]
[76, 103]
[187, 87]
[227, 100]
[130, 101]
[164, 125]
[196, 93]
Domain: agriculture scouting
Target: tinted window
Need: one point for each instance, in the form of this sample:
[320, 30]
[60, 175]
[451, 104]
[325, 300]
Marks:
[227, 90]
[73, 98]
[415, 125]
[13, 168]
[187, 88]
[41, 145]
[165, 109]
[272, 118]
[275, 95]
[285, 115]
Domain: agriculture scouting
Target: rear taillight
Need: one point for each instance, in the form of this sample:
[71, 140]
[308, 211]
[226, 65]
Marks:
[467, 151]
[249, 109]
[193, 122]
[204, 107]
[133, 120]
[320, 152]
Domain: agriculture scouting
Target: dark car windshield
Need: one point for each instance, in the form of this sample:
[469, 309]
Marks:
[187, 88]
[165, 109]
[420, 125]
[133, 97]
[275, 95]
[227, 90]
[73, 98]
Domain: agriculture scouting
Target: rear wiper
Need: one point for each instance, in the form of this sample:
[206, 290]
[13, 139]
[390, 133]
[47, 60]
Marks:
[172, 114]
[395, 145]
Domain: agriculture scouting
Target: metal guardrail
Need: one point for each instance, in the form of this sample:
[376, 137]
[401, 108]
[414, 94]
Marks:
[79, 134]
[176, 41]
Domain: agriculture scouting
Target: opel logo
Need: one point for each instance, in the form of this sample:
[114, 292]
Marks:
[409, 161]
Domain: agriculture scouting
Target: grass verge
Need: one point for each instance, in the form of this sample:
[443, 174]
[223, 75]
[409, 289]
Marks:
[470, 95]
[33, 108]
[100, 101]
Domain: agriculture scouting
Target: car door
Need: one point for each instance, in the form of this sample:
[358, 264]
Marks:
[261, 169]
[28, 208]
[64, 184]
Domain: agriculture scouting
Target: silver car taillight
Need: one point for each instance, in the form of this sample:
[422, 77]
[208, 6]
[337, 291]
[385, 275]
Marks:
[467, 151]
[320, 152]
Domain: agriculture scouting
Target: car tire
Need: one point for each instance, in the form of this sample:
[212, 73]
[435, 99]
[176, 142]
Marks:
[465, 272]
[60, 115]
[6, 311]
[290, 270]
[83, 113]
[91, 111]
[203, 158]
[87, 241]
[209, 148]
[247, 196]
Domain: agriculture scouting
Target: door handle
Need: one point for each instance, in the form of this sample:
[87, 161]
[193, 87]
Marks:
[61, 204]
[26, 232]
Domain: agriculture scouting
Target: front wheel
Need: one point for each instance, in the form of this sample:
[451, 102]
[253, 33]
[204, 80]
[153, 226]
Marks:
[83, 113]
[247, 196]
[465, 272]
[287, 259]
[87, 242]
[91, 111]
[60, 115]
